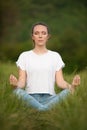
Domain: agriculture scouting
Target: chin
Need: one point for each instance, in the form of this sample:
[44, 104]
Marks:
[41, 44]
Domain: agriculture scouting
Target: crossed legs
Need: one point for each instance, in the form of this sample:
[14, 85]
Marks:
[41, 102]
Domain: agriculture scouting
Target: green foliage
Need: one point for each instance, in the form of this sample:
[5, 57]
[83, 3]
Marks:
[18, 16]
[67, 20]
[70, 114]
[10, 52]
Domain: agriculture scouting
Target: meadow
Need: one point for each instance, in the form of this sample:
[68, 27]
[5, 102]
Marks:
[71, 114]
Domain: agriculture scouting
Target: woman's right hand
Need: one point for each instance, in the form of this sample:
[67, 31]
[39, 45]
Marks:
[13, 80]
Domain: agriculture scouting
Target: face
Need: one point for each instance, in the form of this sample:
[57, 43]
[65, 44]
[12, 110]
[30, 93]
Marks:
[40, 35]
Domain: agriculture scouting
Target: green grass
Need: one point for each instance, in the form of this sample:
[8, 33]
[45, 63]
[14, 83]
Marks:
[68, 115]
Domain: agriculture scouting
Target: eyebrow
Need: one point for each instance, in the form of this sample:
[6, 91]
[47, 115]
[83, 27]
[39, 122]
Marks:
[39, 31]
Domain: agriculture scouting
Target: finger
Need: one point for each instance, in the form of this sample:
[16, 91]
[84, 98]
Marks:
[11, 76]
[76, 80]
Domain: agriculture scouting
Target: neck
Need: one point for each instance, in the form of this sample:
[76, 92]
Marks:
[40, 49]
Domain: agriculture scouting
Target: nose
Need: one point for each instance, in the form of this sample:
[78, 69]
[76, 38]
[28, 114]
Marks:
[40, 35]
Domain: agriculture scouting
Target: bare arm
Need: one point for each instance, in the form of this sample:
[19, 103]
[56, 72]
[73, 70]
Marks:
[64, 84]
[20, 82]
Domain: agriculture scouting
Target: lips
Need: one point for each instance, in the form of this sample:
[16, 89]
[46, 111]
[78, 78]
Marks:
[40, 40]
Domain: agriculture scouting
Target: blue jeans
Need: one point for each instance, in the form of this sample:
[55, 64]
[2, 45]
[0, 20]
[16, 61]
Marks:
[42, 101]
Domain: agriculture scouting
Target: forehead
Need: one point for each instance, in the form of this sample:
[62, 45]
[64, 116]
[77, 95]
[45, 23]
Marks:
[40, 28]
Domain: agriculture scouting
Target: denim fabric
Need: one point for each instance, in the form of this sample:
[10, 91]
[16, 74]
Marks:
[41, 101]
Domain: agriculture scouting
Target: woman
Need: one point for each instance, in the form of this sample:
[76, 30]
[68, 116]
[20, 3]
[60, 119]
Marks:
[39, 69]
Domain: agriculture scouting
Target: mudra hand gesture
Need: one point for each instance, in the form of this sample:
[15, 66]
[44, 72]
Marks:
[75, 82]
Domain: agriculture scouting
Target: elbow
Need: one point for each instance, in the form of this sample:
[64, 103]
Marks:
[59, 85]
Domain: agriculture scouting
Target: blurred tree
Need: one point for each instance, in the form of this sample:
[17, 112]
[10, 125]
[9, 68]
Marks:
[67, 19]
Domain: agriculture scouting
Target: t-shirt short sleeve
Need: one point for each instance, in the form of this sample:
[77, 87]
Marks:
[21, 61]
[59, 62]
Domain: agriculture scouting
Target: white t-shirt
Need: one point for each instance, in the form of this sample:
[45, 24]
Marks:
[40, 70]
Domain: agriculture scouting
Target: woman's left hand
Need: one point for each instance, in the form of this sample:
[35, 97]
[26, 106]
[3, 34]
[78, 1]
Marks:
[76, 81]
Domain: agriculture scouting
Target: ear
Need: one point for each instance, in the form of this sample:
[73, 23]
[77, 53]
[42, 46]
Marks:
[49, 36]
[32, 37]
